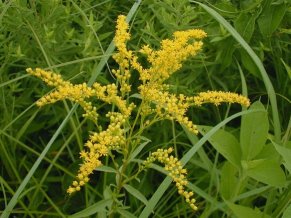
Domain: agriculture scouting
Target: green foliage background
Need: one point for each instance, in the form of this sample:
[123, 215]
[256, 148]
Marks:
[71, 37]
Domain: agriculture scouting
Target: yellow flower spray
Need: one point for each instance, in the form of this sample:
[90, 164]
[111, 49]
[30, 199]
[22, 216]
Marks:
[156, 99]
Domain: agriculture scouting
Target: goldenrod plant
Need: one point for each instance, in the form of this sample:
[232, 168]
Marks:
[129, 118]
[140, 119]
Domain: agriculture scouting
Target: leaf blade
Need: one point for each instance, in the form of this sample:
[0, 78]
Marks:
[136, 193]
[225, 143]
[267, 171]
[254, 131]
[95, 208]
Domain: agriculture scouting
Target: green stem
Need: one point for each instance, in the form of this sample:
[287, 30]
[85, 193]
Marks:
[119, 184]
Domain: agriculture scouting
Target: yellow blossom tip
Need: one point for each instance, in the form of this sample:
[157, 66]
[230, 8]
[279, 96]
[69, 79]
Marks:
[218, 97]
[173, 166]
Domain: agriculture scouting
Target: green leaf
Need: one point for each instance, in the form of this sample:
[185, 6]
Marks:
[285, 153]
[288, 69]
[250, 5]
[249, 64]
[224, 6]
[268, 152]
[228, 181]
[138, 150]
[26, 125]
[125, 213]
[271, 17]
[136, 193]
[287, 212]
[267, 171]
[245, 25]
[225, 143]
[107, 193]
[225, 55]
[254, 131]
[106, 169]
[95, 208]
[243, 212]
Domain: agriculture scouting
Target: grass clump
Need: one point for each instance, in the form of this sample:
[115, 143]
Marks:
[142, 109]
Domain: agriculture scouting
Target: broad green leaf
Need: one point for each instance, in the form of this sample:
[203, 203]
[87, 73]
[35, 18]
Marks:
[254, 131]
[267, 171]
[228, 181]
[243, 212]
[225, 143]
[285, 153]
[271, 17]
[249, 64]
[287, 212]
[95, 208]
[248, 5]
[268, 152]
[245, 25]
[136, 193]
[226, 6]
[225, 55]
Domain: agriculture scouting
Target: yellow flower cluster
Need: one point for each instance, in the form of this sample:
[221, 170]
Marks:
[123, 56]
[79, 93]
[109, 94]
[50, 78]
[167, 106]
[97, 146]
[164, 63]
[169, 58]
[218, 97]
[65, 90]
[176, 172]
[100, 143]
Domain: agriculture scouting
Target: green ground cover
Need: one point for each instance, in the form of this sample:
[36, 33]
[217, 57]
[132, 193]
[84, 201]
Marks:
[239, 163]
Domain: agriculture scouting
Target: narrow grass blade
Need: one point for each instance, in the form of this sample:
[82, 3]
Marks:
[13, 80]
[93, 209]
[27, 178]
[243, 80]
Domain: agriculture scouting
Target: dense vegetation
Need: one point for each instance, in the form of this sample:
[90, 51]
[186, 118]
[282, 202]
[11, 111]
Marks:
[237, 166]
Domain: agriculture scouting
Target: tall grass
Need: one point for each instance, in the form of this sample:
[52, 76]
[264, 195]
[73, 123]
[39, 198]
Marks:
[247, 51]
